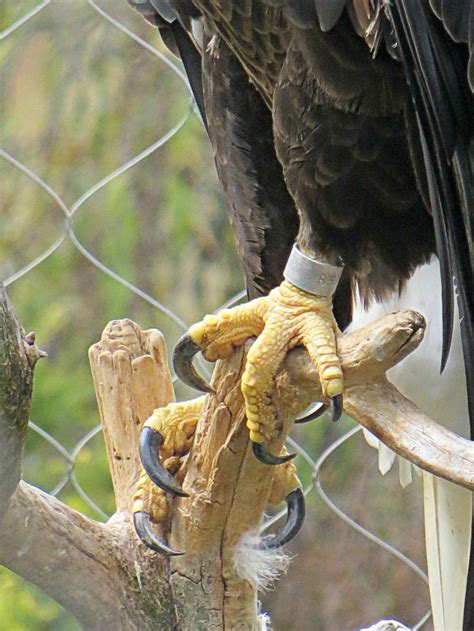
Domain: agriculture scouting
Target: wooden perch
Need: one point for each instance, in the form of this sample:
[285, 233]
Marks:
[131, 378]
[376, 404]
[101, 572]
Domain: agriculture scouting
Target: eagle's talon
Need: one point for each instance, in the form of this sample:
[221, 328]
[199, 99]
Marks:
[142, 523]
[317, 413]
[184, 352]
[336, 407]
[150, 442]
[294, 520]
[261, 453]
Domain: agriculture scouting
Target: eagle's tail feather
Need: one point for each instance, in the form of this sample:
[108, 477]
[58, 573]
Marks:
[448, 515]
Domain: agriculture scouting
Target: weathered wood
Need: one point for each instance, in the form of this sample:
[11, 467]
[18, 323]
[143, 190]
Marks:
[131, 378]
[18, 356]
[366, 355]
[101, 573]
[104, 575]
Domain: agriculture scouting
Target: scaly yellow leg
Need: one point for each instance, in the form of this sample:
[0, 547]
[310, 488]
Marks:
[176, 423]
[286, 318]
[217, 335]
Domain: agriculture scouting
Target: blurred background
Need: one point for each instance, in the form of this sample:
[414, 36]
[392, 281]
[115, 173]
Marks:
[87, 236]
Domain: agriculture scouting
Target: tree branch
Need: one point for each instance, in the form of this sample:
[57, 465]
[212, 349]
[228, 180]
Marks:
[18, 355]
[131, 378]
[61, 551]
[411, 434]
[376, 404]
[98, 572]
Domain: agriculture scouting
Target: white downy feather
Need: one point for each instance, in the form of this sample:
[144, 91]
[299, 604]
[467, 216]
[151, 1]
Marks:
[447, 508]
[260, 566]
[387, 625]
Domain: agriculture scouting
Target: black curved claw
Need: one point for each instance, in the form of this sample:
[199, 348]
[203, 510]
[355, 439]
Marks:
[294, 521]
[313, 415]
[262, 454]
[150, 442]
[183, 354]
[336, 407]
[142, 523]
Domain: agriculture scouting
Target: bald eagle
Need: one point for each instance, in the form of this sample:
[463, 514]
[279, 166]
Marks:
[344, 126]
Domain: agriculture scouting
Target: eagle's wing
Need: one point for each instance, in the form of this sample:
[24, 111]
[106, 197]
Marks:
[262, 212]
[458, 20]
[440, 89]
[436, 73]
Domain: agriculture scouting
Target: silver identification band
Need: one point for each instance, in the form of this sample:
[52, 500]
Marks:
[311, 275]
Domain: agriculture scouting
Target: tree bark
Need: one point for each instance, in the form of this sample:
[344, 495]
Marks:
[18, 355]
[101, 573]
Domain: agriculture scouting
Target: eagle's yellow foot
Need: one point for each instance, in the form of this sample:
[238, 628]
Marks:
[169, 431]
[151, 505]
[166, 439]
[286, 318]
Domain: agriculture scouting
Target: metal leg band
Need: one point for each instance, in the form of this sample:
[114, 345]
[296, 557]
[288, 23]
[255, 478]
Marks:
[310, 275]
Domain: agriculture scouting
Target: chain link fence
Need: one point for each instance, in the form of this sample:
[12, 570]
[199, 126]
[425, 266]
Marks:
[65, 459]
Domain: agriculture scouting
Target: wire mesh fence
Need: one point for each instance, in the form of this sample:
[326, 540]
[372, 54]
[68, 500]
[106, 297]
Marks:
[109, 19]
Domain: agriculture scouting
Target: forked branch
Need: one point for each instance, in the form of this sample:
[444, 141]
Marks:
[133, 588]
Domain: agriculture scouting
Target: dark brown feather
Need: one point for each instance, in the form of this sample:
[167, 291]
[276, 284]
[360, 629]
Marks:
[262, 212]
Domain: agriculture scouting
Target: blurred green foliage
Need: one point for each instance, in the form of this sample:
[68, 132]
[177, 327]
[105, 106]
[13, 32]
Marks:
[78, 99]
